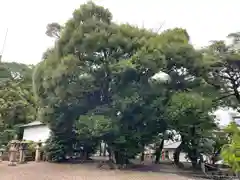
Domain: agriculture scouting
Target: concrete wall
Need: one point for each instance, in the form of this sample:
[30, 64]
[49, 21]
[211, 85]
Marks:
[36, 133]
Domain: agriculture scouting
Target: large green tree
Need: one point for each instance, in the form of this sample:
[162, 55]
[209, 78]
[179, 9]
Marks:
[101, 70]
[89, 70]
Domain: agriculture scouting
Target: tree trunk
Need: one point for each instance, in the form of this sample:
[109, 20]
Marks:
[194, 158]
[116, 156]
[100, 150]
[158, 152]
[104, 149]
[201, 160]
[109, 152]
[193, 151]
[121, 158]
[177, 153]
[85, 155]
[142, 156]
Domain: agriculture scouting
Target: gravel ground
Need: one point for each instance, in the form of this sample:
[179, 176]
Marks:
[47, 171]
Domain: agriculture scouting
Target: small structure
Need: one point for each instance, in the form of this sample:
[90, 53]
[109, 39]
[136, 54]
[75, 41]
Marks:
[36, 131]
[169, 149]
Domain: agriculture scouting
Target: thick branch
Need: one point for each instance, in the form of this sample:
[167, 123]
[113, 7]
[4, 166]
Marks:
[223, 97]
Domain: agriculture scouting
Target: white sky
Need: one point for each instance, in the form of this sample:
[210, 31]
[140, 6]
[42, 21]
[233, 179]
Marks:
[26, 20]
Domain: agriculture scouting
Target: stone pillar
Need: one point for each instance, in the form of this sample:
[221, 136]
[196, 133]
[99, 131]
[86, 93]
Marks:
[22, 149]
[37, 155]
[13, 152]
[163, 155]
[20, 155]
[1, 154]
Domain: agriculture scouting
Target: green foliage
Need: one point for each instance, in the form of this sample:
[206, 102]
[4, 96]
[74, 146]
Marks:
[92, 126]
[230, 152]
[55, 149]
[53, 30]
[17, 104]
[219, 138]
[90, 130]
[189, 116]
[220, 69]
[6, 135]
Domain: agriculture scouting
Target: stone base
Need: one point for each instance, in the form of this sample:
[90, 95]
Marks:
[23, 162]
[12, 164]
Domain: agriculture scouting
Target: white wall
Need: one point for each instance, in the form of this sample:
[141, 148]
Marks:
[181, 156]
[36, 133]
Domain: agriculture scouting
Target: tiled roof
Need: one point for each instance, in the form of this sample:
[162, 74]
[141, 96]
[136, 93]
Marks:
[34, 123]
[171, 145]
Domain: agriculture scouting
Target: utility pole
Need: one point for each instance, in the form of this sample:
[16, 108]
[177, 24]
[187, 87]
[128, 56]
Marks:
[3, 47]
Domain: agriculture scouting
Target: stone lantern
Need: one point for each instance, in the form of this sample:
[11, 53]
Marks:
[22, 149]
[13, 152]
[37, 155]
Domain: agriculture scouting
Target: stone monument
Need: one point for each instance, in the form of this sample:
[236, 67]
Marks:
[38, 152]
[13, 152]
[22, 149]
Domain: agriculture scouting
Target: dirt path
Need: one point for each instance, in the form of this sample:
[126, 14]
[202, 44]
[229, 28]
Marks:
[47, 171]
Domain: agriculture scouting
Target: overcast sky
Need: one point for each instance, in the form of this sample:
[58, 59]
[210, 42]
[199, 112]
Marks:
[26, 20]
